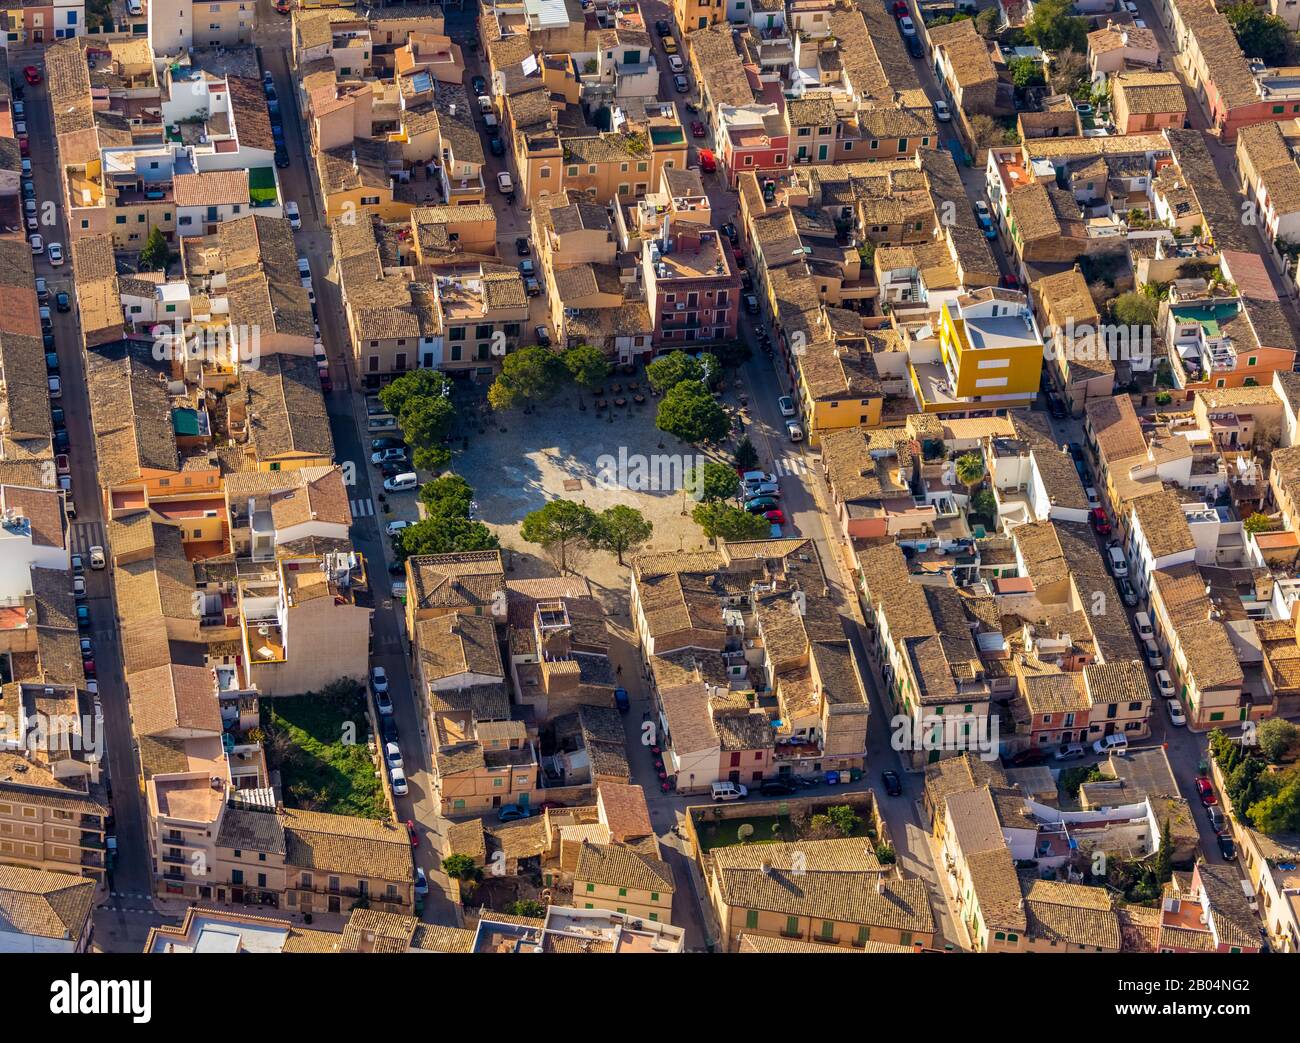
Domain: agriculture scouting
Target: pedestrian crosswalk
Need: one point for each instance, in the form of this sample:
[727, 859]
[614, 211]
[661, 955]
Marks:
[790, 466]
[362, 508]
[85, 535]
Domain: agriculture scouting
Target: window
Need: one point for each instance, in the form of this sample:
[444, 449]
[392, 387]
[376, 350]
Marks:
[791, 925]
[573, 171]
[654, 896]
[590, 888]
[236, 876]
[780, 159]
[622, 892]
[848, 146]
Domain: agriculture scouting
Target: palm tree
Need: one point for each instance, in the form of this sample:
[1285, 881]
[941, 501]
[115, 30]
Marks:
[970, 470]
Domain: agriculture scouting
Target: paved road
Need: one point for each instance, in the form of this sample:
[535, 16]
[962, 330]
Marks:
[131, 882]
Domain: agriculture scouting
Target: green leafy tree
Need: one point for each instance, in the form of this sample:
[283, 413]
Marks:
[620, 529]
[985, 504]
[746, 456]
[1162, 866]
[448, 494]
[689, 412]
[722, 520]
[445, 534]
[421, 402]
[844, 819]
[1278, 812]
[1053, 28]
[1257, 523]
[1275, 736]
[587, 365]
[1263, 36]
[558, 527]
[712, 480]
[530, 907]
[528, 376]
[1134, 309]
[732, 354]
[1025, 72]
[677, 367]
[970, 469]
[459, 867]
[156, 255]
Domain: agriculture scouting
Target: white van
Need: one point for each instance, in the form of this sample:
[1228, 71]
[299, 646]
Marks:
[484, 103]
[793, 429]
[1145, 631]
[1111, 743]
[401, 483]
[291, 212]
[721, 791]
[1118, 563]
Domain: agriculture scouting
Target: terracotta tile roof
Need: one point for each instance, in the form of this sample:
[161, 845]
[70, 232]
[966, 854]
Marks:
[44, 904]
[339, 843]
[1073, 914]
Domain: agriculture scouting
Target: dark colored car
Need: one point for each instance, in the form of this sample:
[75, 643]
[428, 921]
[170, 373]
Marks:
[761, 505]
[511, 812]
[62, 302]
[1057, 407]
[397, 568]
[1227, 848]
[51, 362]
[389, 727]
[496, 146]
[729, 230]
[914, 47]
[478, 85]
[281, 157]
[777, 788]
[663, 28]
[1027, 758]
[61, 439]
[893, 784]
[56, 415]
[386, 442]
[83, 617]
[522, 245]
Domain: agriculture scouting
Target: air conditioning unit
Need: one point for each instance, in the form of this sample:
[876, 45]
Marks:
[681, 307]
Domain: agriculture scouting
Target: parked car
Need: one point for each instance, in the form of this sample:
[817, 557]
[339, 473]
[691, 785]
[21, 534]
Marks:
[392, 755]
[786, 404]
[621, 700]
[758, 477]
[1115, 558]
[497, 147]
[761, 504]
[893, 784]
[386, 442]
[512, 812]
[398, 777]
[395, 527]
[384, 455]
[292, 213]
[723, 791]
[775, 517]
[281, 156]
[543, 336]
[388, 728]
[1111, 743]
[1205, 790]
[504, 184]
[793, 431]
[906, 25]
[1027, 758]
[1152, 653]
[1165, 684]
[62, 302]
[1128, 593]
[401, 483]
[384, 702]
[478, 85]
[1227, 848]
[379, 679]
[941, 111]
[680, 85]
[421, 882]
[37, 244]
[83, 617]
[697, 129]
[33, 77]
[1175, 711]
[56, 387]
[1218, 822]
[662, 28]
[1069, 751]
[79, 587]
[670, 45]
[523, 247]
[777, 787]
[1100, 523]
[97, 560]
[675, 63]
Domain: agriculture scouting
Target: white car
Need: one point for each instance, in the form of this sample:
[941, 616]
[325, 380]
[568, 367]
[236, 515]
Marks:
[394, 527]
[721, 791]
[504, 184]
[421, 882]
[1175, 711]
[1111, 742]
[393, 755]
[675, 63]
[38, 244]
[786, 404]
[385, 455]
[1165, 684]
[97, 560]
[1094, 501]
[384, 703]
[291, 212]
[56, 387]
[55, 254]
[941, 111]
[304, 268]
[757, 477]
[379, 679]
[399, 781]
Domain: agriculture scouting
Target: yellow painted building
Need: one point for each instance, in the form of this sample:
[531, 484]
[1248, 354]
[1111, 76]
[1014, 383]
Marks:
[990, 355]
[621, 878]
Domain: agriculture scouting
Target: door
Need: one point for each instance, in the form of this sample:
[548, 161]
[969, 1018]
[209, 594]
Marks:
[734, 776]
[334, 905]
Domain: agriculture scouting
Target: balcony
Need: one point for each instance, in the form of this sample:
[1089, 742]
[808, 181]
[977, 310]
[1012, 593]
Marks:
[91, 840]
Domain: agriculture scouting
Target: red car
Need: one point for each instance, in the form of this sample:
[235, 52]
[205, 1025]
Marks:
[544, 805]
[1100, 523]
[775, 517]
[707, 162]
[32, 75]
[24, 148]
[1205, 790]
[88, 667]
[1009, 282]
[282, 6]
[899, 8]
[697, 129]
[410, 829]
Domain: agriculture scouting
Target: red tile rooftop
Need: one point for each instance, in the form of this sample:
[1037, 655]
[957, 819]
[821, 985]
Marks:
[13, 618]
